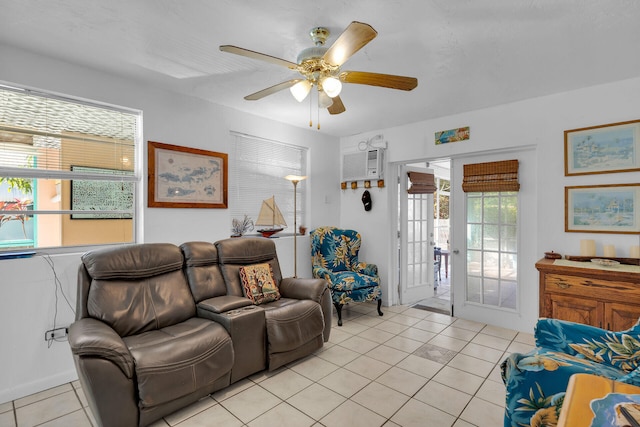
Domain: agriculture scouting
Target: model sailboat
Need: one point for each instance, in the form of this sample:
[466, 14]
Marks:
[271, 217]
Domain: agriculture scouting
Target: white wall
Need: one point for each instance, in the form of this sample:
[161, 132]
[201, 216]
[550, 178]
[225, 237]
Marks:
[537, 124]
[27, 302]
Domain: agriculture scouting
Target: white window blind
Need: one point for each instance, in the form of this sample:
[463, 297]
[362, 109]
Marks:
[69, 163]
[258, 168]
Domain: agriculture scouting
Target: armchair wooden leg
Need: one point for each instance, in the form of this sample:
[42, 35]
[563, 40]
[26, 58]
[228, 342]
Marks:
[339, 310]
[380, 305]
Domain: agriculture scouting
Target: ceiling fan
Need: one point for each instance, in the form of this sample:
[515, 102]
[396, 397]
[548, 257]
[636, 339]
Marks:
[320, 66]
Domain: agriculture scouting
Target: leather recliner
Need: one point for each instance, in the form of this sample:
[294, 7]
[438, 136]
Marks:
[139, 348]
[159, 326]
[294, 326]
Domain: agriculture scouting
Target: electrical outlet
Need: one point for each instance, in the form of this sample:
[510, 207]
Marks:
[55, 334]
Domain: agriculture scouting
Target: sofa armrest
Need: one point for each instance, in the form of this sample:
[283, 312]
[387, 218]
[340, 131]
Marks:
[93, 338]
[618, 349]
[366, 269]
[298, 288]
[312, 289]
[223, 304]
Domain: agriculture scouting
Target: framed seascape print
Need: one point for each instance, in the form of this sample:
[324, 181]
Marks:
[602, 149]
[602, 208]
[182, 177]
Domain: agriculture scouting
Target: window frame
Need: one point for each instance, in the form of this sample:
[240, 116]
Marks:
[64, 176]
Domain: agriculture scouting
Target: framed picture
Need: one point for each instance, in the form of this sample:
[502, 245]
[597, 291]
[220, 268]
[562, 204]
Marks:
[602, 209]
[452, 135]
[602, 149]
[182, 177]
[88, 195]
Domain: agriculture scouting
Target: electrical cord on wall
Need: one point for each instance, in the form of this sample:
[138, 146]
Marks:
[58, 286]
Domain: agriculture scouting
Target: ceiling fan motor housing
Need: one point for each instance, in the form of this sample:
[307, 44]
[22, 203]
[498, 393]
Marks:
[319, 35]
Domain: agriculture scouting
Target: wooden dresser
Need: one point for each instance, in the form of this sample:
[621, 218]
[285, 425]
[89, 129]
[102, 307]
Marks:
[608, 298]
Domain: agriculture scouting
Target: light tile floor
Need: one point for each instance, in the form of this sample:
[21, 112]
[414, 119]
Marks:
[408, 368]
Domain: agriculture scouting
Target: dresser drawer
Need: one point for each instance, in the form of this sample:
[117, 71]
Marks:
[590, 287]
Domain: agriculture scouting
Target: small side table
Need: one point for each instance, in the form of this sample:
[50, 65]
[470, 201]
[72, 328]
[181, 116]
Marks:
[445, 254]
[582, 389]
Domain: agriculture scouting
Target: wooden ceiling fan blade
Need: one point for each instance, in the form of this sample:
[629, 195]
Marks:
[352, 39]
[271, 90]
[337, 107]
[257, 55]
[376, 79]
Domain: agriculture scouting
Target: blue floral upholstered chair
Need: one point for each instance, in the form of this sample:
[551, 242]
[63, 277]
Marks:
[536, 381]
[334, 257]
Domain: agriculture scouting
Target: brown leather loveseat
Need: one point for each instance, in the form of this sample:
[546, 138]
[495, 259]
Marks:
[160, 326]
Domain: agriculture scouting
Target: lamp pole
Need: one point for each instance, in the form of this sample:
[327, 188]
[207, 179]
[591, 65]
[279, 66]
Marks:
[295, 179]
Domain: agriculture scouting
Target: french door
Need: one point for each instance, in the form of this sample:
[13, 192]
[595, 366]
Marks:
[416, 241]
[495, 248]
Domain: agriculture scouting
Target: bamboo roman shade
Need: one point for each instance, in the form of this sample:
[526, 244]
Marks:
[491, 176]
[421, 183]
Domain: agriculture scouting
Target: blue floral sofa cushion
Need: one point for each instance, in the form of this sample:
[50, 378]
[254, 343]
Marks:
[536, 381]
[334, 257]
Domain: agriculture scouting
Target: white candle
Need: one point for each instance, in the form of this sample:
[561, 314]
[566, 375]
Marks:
[587, 247]
[634, 252]
[609, 251]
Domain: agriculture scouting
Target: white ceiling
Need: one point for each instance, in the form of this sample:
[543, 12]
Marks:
[466, 54]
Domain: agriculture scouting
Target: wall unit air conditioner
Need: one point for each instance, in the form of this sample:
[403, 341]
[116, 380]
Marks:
[363, 165]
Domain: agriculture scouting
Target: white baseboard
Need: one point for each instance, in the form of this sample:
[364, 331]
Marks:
[41, 384]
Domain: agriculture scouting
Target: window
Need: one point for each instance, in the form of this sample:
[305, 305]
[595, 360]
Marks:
[258, 168]
[66, 171]
[492, 248]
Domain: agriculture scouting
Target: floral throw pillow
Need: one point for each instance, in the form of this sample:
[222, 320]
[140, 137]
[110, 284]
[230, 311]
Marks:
[258, 283]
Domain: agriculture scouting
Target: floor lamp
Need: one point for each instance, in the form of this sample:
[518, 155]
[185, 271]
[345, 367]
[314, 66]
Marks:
[295, 179]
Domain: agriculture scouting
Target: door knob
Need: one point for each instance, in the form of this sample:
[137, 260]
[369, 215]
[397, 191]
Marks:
[456, 251]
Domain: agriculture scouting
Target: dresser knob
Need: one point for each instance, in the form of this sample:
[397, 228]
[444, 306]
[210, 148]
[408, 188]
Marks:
[563, 285]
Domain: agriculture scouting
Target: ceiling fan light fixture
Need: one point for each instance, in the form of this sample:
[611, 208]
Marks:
[324, 100]
[300, 90]
[331, 86]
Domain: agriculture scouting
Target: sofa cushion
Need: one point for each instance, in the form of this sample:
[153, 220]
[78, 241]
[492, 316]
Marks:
[135, 306]
[133, 261]
[236, 253]
[258, 283]
[203, 271]
[175, 361]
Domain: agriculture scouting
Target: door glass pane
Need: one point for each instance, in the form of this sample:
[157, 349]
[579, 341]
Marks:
[474, 209]
[474, 289]
[490, 265]
[508, 295]
[509, 266]
[474, 236]
[508, 238]
[474, 263]
[491, 237]
[509, 211]
[491, 292]
[491, 210]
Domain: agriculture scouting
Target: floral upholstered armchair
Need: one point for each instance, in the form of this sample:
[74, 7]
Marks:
[536, 381]
[334, 257]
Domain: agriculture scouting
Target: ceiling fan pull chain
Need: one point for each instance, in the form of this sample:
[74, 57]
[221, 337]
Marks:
[318, 106]
[310, 108]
